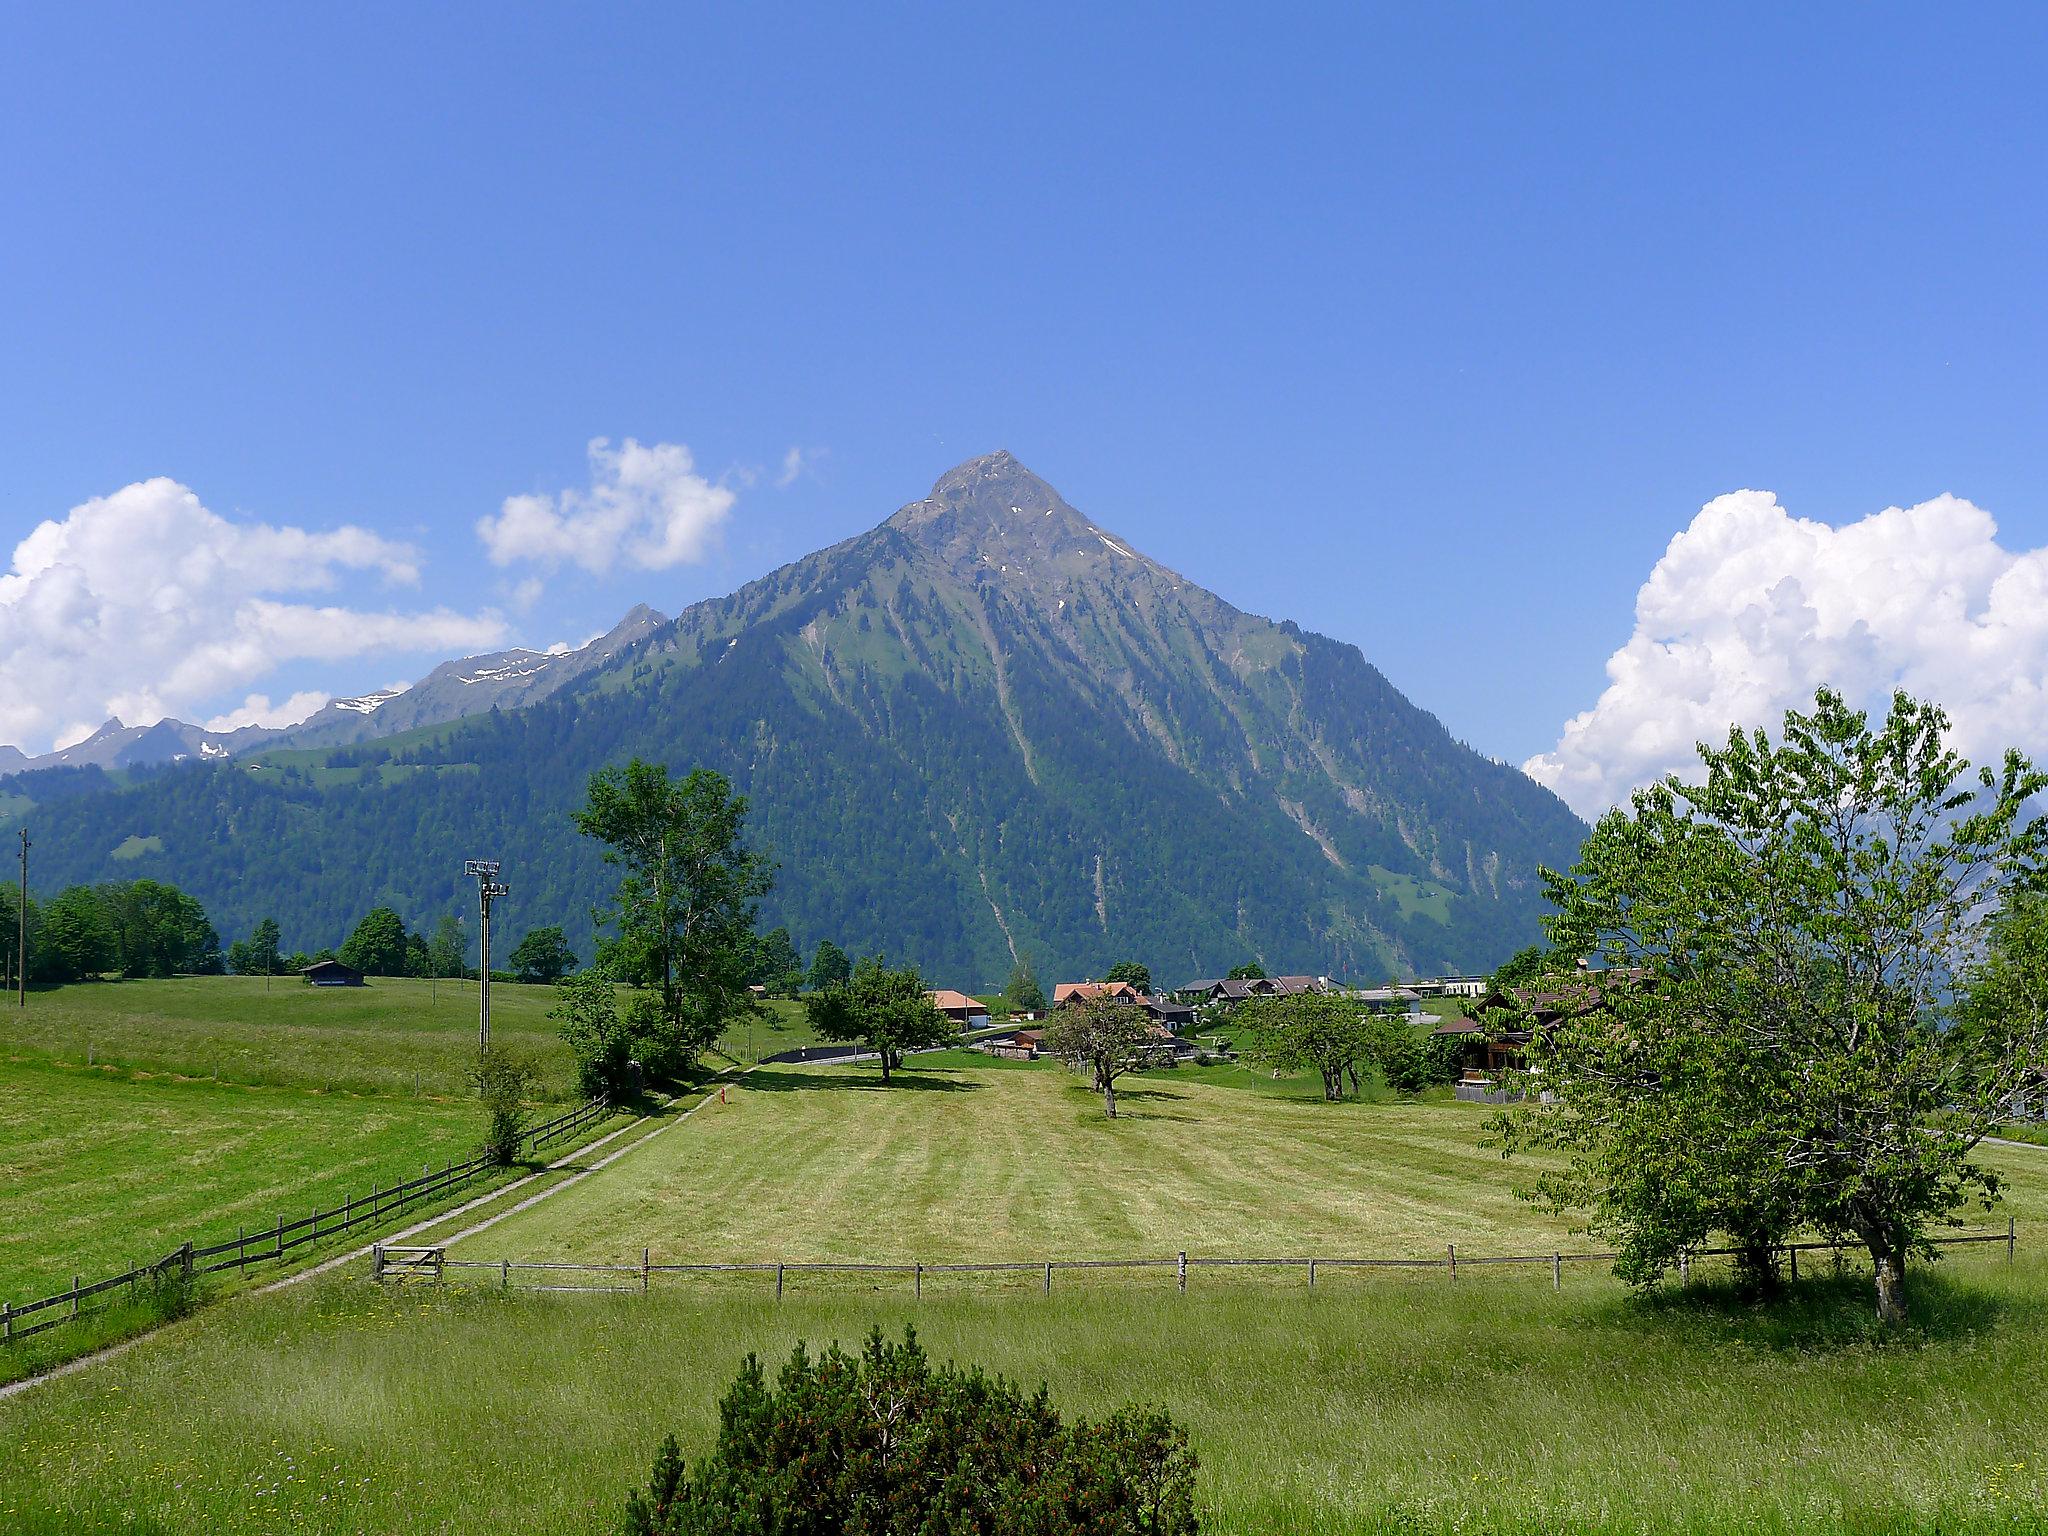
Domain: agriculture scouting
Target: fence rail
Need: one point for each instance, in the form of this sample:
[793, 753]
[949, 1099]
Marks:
[396, 1264]
[268, 1244]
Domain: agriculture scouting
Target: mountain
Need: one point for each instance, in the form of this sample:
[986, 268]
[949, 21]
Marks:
[471, 686]
[115, 745]
[987, 726]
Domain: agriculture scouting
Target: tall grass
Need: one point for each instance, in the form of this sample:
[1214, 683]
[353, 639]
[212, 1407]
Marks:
[1492, 1405]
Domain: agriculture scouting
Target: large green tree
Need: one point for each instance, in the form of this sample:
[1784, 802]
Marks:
[1136, 972]
[543, 956]
[1311, 1032]
[377, 946]
[886, 1010]
[448, 950]
[77, 940]
[1785, 945]
[828, 965]
[682, 918]
[1102, 1037]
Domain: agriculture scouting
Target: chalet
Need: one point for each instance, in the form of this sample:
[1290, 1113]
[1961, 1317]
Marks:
[332, 973]
[1072, 994]
[1499, 1052]
[1232, 989]
[1024, 1045]
[1294, 986]
[967, 1012]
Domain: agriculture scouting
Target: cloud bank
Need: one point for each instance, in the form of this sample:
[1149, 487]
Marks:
[646, 506]
[1750, 609]
[144, 604]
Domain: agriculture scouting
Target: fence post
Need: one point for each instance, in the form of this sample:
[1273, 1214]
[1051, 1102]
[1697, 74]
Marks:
[504, 1274]
[920, 1282]
[185, 1259]
[376, 1261]
[6, 1320]
[280, 1235]
[74, 1295]
[1183, 1269]
[1557, 1271]
[778, 1280]
[644, 1255]
[1451, 1249]
[2012, 1239]
[1311, 1274]
[241, 1242]
[1048, 1277]
[1793, 1249]
[348, 1211]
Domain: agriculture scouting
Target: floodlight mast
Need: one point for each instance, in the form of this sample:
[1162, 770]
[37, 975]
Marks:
[485, 873]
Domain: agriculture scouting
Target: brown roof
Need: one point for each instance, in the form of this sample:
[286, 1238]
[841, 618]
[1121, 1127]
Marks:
[948, 1001]
[1085, 990]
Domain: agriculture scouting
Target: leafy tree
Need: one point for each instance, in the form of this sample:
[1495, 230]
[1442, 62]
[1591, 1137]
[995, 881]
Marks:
[504, 1082]
[1251, 971]
[685, 907]
[159, 930]
[1103, 1038]
[543, 956]
[886, 1010]
[1786, 946]
[1132, 971]
[883, 1442]
[377, 946]
[11, 934]
[586, 1015]
[775, 959]
[1024, 994]
[1315, 1033]
[77, 941]
[419, 960]
[1526, 967]
[264, 946]
[828, 965]
[448, 950]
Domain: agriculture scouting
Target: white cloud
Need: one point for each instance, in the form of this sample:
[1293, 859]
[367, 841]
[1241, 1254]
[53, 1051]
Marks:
[1750, 609]
[143, 604]
[794, 463]
[646, 506]
[257, 709]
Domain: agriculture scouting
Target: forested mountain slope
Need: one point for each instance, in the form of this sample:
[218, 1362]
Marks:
[987, 725]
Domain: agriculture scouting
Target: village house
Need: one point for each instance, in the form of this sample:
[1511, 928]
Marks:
[322, 973]
[967, 1012]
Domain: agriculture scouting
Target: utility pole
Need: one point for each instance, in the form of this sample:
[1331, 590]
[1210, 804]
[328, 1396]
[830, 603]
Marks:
[485, 873]
[21, 925]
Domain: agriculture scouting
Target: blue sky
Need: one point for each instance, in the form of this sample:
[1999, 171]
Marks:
[1429, 331]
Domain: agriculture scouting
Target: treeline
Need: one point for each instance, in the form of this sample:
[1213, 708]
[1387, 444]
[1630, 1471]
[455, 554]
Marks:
[133, 928]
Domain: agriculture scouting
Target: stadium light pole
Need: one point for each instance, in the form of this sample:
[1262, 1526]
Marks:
[21, 927]
[488, 889]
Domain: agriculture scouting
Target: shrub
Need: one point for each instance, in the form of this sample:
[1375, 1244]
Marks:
[503, 1083]
[884, 1444]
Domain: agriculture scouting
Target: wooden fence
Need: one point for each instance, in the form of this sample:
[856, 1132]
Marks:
[434, 1263]
[268, 1244]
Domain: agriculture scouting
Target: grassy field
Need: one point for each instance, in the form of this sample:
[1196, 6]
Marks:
[966, 1159]
[102, 1169]
[393, 1037]
[1490, 1406]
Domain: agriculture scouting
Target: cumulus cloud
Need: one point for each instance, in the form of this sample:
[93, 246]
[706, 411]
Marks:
[257, 709]
[646, 506]
[1750, 609]
[144, 604]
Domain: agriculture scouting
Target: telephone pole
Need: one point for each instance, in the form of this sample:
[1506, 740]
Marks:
[485, 873]
[21, 926]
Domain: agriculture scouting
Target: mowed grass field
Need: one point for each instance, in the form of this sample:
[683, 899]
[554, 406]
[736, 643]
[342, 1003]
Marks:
[963, 1159]
[393, 1037]
[1489, 1405]
[102, 1169]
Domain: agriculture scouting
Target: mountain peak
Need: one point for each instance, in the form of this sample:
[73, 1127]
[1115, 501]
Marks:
[994, 516]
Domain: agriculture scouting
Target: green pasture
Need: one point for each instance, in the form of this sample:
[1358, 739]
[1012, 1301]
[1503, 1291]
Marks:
[1491, 1405]
[964, 1159]
[394, 1037]
[103, 1170]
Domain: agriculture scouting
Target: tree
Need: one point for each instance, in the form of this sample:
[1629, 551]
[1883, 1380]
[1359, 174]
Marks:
[1103, 1038]
[419, 960]
[586, 1015]
[543, 956]
[1786, 947]
[1251, 971]
[1138, 975]
[448, 950]
[1526, 967]
[1024, 994]
[504, 1081]
[1311, 1032]
[685, 907]
[264, 947]
[377, 947]
[776, 960]
[828, 965]
[77, 941]
[882, 1441]
[886, 1010]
